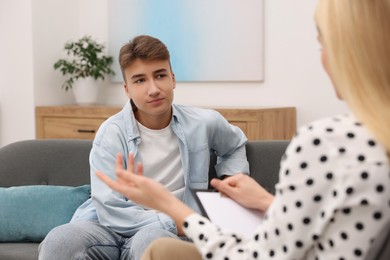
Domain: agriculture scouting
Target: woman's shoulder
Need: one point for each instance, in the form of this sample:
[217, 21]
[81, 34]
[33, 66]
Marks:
[332, 124]
[343, 126]
[344, 134]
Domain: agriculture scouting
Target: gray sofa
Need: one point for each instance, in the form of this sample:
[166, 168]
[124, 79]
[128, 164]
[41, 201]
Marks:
[65, 162]
[41, 162]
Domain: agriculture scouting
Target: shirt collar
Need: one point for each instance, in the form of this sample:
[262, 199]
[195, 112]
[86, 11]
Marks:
[132, 129]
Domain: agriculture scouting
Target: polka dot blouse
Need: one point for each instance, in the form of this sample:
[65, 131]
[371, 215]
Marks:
[331, 200]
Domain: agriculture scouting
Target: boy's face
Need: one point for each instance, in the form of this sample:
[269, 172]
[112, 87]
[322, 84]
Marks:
[150, 85]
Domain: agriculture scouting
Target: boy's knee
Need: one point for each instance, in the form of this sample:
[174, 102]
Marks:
[64, 233]
[65, 240]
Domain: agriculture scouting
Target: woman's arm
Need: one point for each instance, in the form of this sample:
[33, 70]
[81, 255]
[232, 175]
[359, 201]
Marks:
[152, 194]
[145, 191]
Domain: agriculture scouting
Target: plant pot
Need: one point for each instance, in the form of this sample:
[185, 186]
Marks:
[86, 91]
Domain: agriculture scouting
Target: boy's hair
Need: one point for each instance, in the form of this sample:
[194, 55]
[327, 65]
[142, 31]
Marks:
[142, 47]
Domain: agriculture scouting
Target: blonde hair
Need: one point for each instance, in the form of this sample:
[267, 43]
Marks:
[356, 36]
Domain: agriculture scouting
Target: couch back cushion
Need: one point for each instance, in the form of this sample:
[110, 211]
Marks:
[45, 162]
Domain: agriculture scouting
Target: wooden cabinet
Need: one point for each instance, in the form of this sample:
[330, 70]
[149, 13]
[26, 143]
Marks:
[82, 122]
[71, 122]
[263, 123]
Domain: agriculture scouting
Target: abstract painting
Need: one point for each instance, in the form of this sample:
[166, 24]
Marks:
[209, 40]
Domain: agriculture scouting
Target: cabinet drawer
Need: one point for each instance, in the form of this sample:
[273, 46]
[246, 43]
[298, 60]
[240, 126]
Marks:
[71, 128]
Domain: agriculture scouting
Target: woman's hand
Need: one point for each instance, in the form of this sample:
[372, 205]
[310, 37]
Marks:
[135, 186]
[145, 191]
[244, 190]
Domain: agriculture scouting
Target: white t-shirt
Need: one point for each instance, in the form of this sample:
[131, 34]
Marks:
[160, 157]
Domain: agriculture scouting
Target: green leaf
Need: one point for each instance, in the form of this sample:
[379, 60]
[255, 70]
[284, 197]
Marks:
[85, 58]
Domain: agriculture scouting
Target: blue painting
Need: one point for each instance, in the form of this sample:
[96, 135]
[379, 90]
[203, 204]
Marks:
[209, 40]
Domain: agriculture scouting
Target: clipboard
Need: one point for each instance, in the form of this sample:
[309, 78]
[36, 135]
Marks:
[228, 214]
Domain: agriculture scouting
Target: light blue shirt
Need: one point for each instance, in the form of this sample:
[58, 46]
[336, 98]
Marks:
[200, 132]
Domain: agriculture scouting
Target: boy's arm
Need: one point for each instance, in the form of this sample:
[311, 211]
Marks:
[228, 142]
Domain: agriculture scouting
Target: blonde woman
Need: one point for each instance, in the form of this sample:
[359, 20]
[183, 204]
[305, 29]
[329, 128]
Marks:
[333, 195]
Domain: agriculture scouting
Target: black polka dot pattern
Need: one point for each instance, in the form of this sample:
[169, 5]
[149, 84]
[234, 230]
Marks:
[332, 199]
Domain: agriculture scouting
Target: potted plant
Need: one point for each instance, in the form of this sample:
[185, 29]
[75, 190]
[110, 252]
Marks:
[86, 63]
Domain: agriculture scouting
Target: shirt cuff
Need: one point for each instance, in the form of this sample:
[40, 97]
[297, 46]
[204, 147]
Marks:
[167, 223]
[195, 223]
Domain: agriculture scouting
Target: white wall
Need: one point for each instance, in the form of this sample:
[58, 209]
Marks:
[54, 23]
[293, 72]
[16, 72]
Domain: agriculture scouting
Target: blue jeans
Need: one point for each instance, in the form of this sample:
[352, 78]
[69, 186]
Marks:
[90, 240]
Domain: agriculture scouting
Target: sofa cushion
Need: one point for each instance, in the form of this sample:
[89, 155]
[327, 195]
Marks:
[28, 213]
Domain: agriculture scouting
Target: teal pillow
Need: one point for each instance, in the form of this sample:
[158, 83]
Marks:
[28, 213]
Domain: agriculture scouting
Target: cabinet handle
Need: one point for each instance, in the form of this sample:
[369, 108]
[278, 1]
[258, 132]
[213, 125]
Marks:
[86, 131]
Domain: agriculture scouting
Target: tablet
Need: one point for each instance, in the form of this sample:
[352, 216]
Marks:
[228, 214]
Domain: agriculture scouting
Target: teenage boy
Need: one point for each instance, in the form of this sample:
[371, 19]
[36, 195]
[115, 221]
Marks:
[173, 142]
